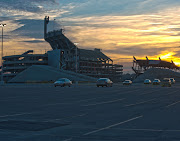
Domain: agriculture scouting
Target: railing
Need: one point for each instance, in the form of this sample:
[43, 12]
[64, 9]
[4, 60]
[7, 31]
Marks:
[25, 62]
[15, 68]
[54, 33]
[20, 52]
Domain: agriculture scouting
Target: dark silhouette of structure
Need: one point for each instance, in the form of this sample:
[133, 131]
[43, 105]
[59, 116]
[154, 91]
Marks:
[139, 66]
[65, 56]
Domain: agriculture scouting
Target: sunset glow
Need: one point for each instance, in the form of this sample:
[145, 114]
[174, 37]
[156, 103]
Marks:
[121, 35]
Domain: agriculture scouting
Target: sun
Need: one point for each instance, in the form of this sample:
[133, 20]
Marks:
[167, 56]
[170, 56]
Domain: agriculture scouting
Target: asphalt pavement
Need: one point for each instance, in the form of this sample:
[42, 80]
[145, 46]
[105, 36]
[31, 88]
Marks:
[41, 112]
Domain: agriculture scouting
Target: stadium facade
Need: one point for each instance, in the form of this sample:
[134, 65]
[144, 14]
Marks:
[64, 58]
[142, 65]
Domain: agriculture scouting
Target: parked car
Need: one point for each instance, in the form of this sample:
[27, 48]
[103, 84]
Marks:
[166, 82]
[173, 81]
[127, 82]
[104, 82]
[156, 82]
[63, 82]
[147, 81]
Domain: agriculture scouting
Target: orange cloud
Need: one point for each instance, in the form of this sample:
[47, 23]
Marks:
[142, 32]
[121, 37]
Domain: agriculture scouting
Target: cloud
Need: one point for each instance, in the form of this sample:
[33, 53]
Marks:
[31, 9]
[30, 28]
[34, 41]
[121, 28]
[126, 36]
[121, 7]
[142, 50]
[33, 28]
[71, 8]
[110, 31]
[25, 5]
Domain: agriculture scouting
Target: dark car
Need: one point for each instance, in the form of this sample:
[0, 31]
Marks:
[104, 82]
[147, 81]
[173, 81]
[166, 82]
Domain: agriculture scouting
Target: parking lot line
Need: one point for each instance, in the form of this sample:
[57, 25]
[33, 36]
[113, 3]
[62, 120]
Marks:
[105, 102]
[138, 103]
[93, 122]
[149, 130]
[68, 139]
[60, 103]
[156, 98]
[79, 115]
[113, 125]
[20, 114]
[173, 104]
[149, 92]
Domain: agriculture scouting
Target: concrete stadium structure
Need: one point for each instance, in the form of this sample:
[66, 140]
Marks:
[76, 63]
[140, 66]
[13, 65]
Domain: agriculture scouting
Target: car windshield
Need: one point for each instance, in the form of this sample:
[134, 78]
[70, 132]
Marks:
[63, 80]
[166, 80]
[127, 81]
[102, 80]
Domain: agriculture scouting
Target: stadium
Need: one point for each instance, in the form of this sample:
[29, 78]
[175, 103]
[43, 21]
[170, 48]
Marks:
[64, 60]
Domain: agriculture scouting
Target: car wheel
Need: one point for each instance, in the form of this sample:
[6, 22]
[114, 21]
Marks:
[54, 85]
[97, 86]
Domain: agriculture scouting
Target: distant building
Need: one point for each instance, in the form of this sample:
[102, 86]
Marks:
[15, 64]
[140, 66]
[65, 55]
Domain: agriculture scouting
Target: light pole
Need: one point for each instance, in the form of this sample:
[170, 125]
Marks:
[76, 64]
[2, 81]
[53, 24]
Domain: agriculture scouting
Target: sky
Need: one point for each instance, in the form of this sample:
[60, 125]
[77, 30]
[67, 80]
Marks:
[121, 28]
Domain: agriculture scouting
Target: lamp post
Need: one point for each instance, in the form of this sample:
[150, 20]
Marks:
[2, 81]
[76, 68]
[76, 64]
[53, 24]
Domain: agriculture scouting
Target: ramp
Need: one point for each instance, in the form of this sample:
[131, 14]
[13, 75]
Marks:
[43, 73]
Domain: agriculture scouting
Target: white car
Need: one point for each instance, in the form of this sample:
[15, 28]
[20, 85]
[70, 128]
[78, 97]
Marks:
[156, 82]
[147, 81]
[127, 82]
[63, 82]
[173, 81]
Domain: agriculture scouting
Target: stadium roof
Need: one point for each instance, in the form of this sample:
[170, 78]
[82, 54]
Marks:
[156, 63]
[94, 55]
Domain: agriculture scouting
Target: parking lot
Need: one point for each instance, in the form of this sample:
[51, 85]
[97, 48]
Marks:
[41, 112]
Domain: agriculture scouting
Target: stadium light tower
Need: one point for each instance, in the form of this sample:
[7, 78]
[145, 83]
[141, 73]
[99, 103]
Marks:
[76, 63]
[2, 81]
[54, 24]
